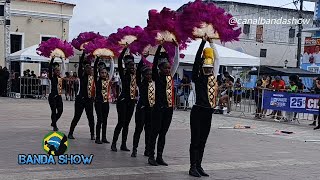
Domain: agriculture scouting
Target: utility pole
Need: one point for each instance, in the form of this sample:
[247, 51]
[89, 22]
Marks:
[299, 34]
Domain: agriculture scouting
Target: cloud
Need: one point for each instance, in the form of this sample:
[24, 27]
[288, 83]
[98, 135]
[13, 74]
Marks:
[106, 16]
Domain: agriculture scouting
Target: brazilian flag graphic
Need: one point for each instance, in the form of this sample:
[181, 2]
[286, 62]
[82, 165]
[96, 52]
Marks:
[55, 143]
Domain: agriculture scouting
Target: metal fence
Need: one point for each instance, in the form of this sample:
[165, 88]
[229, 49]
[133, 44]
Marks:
[246, 101]
[28, 87]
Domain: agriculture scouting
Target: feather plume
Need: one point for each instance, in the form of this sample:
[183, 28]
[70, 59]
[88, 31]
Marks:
[126, 35]
[201, 19]
[83, 39]
[164, 27]
[55, 47]
[100, 47]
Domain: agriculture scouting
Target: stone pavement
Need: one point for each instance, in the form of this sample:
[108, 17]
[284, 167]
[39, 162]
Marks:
[230, 153]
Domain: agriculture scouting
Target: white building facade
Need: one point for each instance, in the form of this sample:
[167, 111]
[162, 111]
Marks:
[31, 22]
[272, 41]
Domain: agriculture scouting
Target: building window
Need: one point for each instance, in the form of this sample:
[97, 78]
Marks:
[1, 10]
[246, 29]
[259, 33]
[292, 33]
[263, 52]
[45, 38]
[15, 42]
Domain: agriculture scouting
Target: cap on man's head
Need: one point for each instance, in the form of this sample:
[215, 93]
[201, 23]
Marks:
[277, 77]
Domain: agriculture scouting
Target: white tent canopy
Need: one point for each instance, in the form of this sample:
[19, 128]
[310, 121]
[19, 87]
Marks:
[29, 55]
[228, 57]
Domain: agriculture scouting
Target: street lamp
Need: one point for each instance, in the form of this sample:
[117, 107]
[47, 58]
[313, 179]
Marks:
[285, 64]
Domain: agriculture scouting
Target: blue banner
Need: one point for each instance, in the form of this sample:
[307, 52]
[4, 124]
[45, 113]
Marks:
[291, 102]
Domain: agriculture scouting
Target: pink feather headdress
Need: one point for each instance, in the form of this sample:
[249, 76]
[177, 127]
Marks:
[146, 45]
[200, 19]
[102, 47]
[164, 26]
[84, 38]
[126, 35]
[55, 47]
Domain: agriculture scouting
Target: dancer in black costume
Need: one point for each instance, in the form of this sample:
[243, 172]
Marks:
[163, 108]
[126, 100]
[103, 87]
[204, 74]
[144, 109]
[55, 99]
[84, 98]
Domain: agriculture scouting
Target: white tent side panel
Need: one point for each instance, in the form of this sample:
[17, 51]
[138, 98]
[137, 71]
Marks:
[228, 57]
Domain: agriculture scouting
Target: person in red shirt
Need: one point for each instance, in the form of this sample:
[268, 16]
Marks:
[278, 84]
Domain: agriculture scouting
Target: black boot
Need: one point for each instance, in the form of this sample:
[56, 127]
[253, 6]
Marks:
[70, 136]
[201, 171]
[160, 161]
[152, 161]
[105, 141]
[193, 171]
[114, 147]
[313, 123]
[134, 152]
[318, 127]
[97, 141]
[199, 156]
[92, 137]
[104, 136]
[124, 147]
[146, 153]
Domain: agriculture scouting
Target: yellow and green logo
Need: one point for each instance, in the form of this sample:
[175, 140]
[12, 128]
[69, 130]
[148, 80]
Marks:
[55, 143]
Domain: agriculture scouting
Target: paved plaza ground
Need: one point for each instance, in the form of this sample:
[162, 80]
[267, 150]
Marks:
[230, 153]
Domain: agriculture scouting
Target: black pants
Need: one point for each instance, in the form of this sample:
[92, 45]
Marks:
[159, 127]
[125, 111]
[143, 117]
[200, 124]
[102, 110]
[80, 105]
[56, 107]
[5, 88]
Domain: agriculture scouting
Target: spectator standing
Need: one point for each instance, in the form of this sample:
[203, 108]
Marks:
[266, 84]
[292, 88]
[177, 93]
[28, 73]
[279, 85]
[315, 90]
[226, 94]
[116, 83]
[186, 86]
[67, 81]
[44, 83]
[6, 76]
[33, 75]
[258, 98]
[237, 92]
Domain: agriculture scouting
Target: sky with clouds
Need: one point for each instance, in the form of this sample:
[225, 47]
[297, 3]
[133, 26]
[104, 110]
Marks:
[105, 16]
